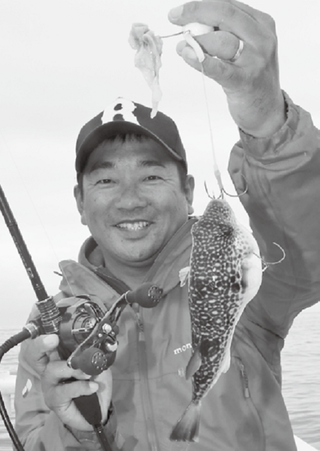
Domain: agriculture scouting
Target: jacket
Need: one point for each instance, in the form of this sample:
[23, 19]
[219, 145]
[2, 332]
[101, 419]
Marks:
[245, 410]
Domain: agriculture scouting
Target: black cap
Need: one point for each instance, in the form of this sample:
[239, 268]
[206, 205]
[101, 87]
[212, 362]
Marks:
[125, 116]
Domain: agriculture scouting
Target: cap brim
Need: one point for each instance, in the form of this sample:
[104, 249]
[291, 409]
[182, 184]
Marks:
[109, 130]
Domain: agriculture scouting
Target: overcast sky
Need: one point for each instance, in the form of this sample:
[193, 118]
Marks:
[61, 62]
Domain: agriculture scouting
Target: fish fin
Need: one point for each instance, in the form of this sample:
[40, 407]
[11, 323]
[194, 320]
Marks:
[187, 428]
[194, 363]
[183, 275]
[251, 268]
[226, 361]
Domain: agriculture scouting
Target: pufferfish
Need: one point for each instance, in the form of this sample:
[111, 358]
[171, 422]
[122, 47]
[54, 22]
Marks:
[225, 273]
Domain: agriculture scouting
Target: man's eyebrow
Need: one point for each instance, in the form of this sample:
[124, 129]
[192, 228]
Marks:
[151, 163]
[101, 165]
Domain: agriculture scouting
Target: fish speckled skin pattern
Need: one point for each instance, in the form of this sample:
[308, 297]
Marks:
[225, 274]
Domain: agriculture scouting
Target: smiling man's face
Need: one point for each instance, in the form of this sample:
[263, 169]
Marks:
[133, 200]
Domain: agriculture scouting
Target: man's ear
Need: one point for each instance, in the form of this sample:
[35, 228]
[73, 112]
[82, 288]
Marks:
[189, 189]
[79, 199]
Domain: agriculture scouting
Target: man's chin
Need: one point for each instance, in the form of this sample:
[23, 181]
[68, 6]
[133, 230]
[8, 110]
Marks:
[141, 257]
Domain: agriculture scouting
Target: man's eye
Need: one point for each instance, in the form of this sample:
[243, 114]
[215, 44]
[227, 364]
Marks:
[103, 182]
[153, 177]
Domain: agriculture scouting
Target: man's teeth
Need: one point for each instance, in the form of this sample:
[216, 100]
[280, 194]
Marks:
[133, 225]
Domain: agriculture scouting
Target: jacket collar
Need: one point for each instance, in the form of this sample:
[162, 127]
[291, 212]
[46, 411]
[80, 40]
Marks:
[164, 271]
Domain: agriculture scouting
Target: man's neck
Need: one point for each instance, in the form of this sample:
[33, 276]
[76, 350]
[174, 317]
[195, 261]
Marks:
[131, 275]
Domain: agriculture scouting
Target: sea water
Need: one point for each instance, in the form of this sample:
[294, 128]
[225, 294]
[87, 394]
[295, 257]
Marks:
[301, 375]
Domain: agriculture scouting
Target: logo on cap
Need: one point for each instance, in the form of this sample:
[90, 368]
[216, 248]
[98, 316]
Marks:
[120, 110]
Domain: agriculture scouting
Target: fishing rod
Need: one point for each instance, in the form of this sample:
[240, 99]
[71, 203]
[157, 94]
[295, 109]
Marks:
[40, 293]
[22, 248]
[87, 334]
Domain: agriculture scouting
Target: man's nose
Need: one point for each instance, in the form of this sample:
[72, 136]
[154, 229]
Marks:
[130, 196]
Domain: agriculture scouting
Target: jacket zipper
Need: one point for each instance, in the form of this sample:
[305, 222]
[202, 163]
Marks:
[146, 398]
[244, 379]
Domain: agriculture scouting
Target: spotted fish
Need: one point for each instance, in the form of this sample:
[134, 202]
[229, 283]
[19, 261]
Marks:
[224, 275]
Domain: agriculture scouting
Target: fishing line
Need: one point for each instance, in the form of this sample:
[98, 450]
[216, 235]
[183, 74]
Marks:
[201, 57]
[216, 169]
[217, 172]
[267, 264]
[21, 179]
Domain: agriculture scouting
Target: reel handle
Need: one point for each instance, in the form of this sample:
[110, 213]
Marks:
[93, 361]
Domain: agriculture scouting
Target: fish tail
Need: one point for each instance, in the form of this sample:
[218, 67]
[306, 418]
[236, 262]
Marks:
[187, 428]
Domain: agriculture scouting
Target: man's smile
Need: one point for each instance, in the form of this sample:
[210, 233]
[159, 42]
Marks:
[133, 225]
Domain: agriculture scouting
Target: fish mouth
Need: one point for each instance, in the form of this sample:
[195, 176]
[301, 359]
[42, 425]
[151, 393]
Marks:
[133, 226]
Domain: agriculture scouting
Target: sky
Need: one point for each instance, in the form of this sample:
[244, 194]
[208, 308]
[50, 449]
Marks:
[62, 62]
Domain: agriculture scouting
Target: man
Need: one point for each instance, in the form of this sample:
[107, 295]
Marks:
[135, 196]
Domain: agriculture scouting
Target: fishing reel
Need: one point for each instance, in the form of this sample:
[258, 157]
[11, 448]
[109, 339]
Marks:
[86, 341]
[87, 330]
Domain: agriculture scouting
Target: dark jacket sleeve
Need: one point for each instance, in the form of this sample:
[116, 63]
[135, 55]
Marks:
[280, 176]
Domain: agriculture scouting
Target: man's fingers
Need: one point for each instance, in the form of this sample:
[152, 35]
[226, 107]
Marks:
[218, 13]
[220, 44]
[231, 16]
[77, 388]
[39, 349]
[46, 343]
[223, 72]
[57, 371]
[218, 67]
[60, 399]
